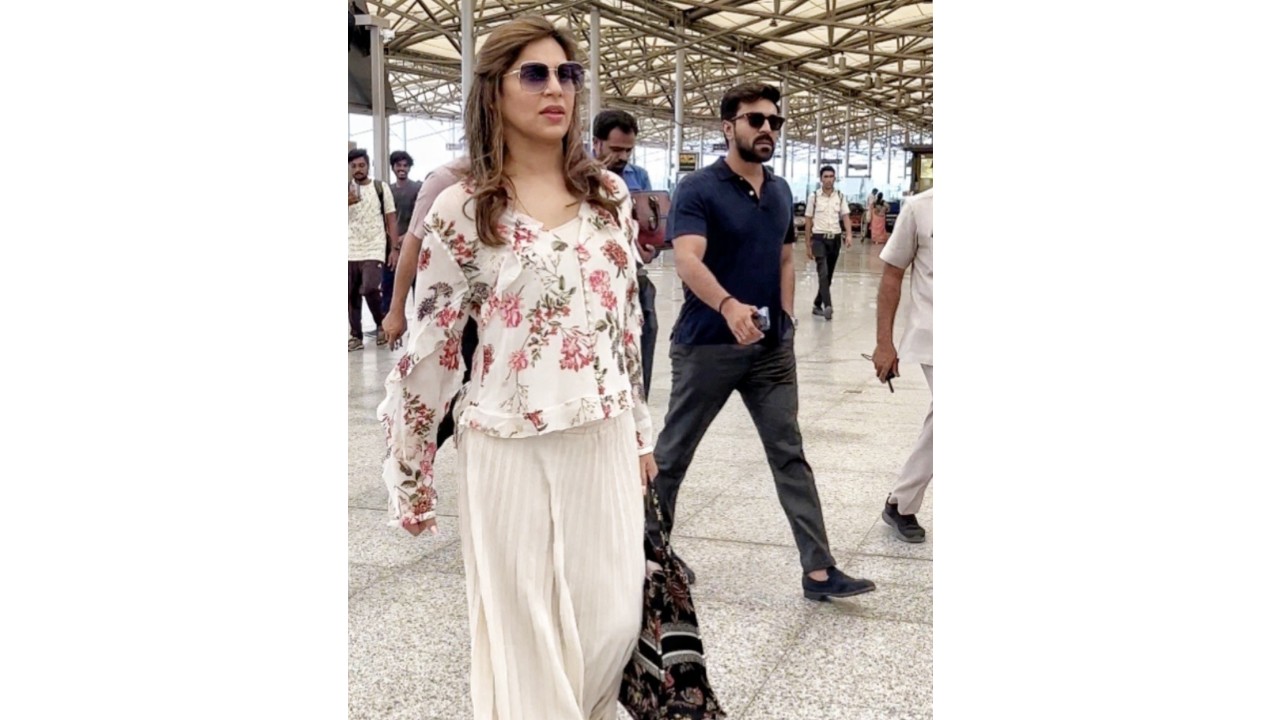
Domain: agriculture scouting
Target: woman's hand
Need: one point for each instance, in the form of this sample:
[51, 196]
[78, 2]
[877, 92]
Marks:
[416, 529]
[648, 470]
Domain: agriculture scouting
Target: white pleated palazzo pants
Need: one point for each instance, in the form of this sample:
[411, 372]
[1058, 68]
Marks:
[552, 539]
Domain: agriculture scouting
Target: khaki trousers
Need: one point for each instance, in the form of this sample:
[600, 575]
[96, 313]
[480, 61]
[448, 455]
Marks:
[917, 473]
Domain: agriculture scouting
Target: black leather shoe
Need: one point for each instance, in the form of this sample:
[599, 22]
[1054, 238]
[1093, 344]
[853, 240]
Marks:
[838, 585]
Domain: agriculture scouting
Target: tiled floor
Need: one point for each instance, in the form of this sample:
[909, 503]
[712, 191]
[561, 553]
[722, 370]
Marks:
[772, 655]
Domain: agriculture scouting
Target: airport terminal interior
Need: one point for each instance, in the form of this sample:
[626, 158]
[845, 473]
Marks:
[857, 83]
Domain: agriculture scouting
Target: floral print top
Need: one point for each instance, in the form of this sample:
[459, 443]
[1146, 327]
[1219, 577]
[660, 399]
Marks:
[559, 326]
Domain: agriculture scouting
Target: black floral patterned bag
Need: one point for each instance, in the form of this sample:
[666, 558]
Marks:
[667, 676]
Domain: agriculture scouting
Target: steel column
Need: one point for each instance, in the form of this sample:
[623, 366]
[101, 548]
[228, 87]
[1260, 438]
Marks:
[593, 76]
[466, 8]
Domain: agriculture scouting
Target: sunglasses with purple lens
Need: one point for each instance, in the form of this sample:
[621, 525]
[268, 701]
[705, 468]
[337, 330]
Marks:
[534, 76]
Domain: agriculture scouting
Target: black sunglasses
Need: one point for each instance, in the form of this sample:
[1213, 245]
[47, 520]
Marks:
[534, 76]
[756, 120]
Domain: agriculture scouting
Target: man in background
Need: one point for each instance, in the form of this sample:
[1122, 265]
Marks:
[405, 192]
[614, 133]
[371, 225]
[824, 216]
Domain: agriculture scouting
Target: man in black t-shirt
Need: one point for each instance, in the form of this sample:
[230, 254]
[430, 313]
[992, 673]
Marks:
[733, 234]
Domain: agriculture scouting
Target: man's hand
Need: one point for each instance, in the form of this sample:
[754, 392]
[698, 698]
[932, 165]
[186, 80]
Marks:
[393, 325]
[808, 248]
[393, 262]
[353, 195]
[742, 322]
[885, 359]
[848, 240]
[647, 254]
[648, 470]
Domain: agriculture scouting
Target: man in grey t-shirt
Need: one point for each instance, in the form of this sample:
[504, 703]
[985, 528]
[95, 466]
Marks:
[405, 192]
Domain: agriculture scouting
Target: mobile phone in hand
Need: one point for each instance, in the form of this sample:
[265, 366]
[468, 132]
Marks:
[761, 319]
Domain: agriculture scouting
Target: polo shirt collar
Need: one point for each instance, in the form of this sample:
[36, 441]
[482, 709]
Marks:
[724, 172]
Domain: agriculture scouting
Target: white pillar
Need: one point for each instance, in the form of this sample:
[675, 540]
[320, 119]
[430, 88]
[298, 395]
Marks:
[679, 119]
[378, 83]
[888, 154]
[871, 147]
[848, 118]
[593, 77]
[782, 137]
[817, 141]
[466, 8]
[671, 158]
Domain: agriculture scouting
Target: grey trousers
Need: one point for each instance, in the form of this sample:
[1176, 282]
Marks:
[917, 473]
[702, 379]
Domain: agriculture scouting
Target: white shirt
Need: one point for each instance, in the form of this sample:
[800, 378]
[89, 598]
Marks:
[826, 211]
[912, 244]
[366, 228]
[558, 315]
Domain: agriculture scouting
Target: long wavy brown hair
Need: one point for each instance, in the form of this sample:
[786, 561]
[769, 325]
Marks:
[583, 177]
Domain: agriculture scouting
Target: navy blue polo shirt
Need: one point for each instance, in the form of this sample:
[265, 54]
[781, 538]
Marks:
[745, 235]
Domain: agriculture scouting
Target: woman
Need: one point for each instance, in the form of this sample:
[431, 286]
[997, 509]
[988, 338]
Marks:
[536, 244]
[879, 210]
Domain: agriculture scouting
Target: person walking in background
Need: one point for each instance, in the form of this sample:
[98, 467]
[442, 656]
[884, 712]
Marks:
[879, 211]
[826, 218]
[911, 246]
[404, 191]
[371, 226]
[866, 213]
[553, 433]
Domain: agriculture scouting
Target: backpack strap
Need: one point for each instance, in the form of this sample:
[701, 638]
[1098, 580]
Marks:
[382, 216]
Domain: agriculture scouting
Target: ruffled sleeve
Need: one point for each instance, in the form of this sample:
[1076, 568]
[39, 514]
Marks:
[634, 319]
[424, 381]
